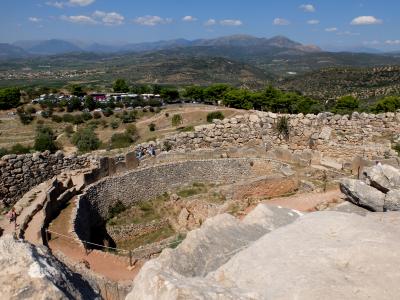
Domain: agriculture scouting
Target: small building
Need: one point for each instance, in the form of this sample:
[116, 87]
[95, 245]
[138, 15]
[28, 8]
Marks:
[98, 97]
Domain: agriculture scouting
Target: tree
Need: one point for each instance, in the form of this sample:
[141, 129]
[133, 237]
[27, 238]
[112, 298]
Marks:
[89, 103]
[74, 104]
[387, 104]
[169, 94]
[77, 90]
[238, 98]
[176, 120]
[346, 105]
[9, 98]
[216, 92]
[85, 139]
[45, 139]
[120, 86]
[194, 93]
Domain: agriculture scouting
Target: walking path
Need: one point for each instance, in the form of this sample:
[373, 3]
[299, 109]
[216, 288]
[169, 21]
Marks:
[111, 266]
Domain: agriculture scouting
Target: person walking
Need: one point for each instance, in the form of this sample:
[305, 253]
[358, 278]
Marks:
[12, 215]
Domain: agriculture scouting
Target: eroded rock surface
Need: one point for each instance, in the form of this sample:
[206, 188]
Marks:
[378, 191]
[383, 177]
[29, 272]
[322, 255]
[361, 194]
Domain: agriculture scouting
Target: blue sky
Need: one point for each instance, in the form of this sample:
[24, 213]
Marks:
[339, 23]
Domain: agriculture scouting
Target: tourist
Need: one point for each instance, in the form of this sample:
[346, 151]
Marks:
[151, 150]
[139, 153]
[12, 215]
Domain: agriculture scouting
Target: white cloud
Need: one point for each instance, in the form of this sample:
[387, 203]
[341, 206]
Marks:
[79, 19]
[307, 7]
[152, 20]
[80, 2]
[372, 43]
[189, 19]
[281, 22]
[55, 4]
[60, 4]
[111, 18]
[331, 29]
[34, 19]
[349, 33]
[313, 22]
[392, 42]
[229, 22]
[366, 20]
[210, 22]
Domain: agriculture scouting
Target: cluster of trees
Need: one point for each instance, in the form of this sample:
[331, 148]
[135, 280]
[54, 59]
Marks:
[9, 98]
[270, 99]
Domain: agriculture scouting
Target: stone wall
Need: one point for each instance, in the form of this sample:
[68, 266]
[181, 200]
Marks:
[147, 183]
[335, 136]
[19, 173]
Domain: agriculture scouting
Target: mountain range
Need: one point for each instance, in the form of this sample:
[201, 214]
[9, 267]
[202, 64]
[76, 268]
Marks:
[55, 46]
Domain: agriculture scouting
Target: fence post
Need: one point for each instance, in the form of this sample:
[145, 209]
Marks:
[325, 179]
[130, 258]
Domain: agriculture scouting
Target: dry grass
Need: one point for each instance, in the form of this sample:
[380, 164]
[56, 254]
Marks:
[12, 131]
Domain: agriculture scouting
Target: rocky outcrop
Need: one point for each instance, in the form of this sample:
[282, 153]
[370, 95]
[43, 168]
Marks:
[378, 191]
[383, 177]
[361, 194]
[322, 255]
[203, 251]
[28, 272]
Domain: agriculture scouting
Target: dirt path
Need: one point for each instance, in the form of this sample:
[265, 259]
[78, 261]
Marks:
[25, 206]
[305, 202]
[110, 266]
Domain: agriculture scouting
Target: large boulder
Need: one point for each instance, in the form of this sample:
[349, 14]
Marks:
[28, 272]
[203, 251]
[322, 255]
[383, 177]
[392, 200]
[361, 194]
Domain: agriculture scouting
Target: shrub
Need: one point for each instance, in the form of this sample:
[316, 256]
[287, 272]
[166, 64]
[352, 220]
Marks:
[166, 115]
[3, 151]
[78, 119]
[86, 140]
[114, 124]
[107, 112]
[131, 130]
[152, 127]
[87, 116]
[397, 148]
[68, 118]
[30, 109]
[215, 115]
[121, 140]
[69, 130]
[25, 117]
[19, 149]
[346, 105]
[176, 120]
[45, 139]
[97, 115]
[128, 118]
[167, 146]
[47, 113]
[282, 127]
[116, 209]
[56, 119]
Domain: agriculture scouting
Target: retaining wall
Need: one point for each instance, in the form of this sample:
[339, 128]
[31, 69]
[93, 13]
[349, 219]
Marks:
[145, 184]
